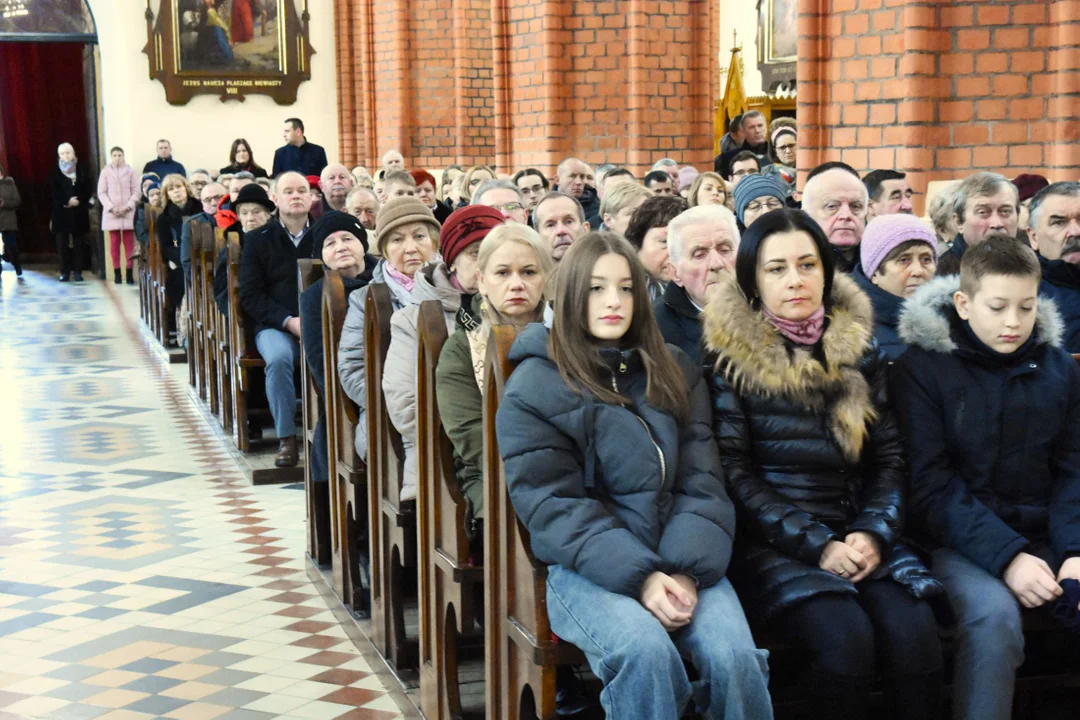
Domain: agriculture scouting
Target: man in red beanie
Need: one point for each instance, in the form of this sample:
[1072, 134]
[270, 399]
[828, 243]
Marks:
[1027, 185]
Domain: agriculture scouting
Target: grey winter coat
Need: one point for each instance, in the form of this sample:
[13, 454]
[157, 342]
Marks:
[351, 359]
[613, 492]
[9, 203]
[399, 374]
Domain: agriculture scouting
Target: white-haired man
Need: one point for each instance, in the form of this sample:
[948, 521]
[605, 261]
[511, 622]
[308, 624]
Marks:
[701, 245]
[504, 196]
[836, 198]
[336, 181]
[393, 161]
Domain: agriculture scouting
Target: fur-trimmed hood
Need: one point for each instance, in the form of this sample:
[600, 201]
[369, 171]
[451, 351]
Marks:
[924, 322]
[755, 358]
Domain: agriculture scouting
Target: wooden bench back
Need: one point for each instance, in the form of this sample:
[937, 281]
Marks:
[385, 454]
[241, 327]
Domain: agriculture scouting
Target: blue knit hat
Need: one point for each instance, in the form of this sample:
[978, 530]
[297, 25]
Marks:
[752, 187]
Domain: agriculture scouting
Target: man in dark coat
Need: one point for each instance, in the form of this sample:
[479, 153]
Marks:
[755, 134]
[269, 294]
[255, 210]
[1054, 229]
[702, 243]
[297, 154]
[986, 204]
[164, 164]
[836, 198]
[211, 197]
[340, 241]
[990, 408]
[573, 177]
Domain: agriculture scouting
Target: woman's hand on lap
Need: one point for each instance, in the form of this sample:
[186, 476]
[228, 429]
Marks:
[842, 559]
[867, 546]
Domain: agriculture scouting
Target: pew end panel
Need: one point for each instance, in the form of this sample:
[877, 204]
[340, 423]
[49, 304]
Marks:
[392, 526]
[309, 272]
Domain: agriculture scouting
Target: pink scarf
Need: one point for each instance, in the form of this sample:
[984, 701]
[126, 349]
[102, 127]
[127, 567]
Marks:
[400, 278]
[800, 332]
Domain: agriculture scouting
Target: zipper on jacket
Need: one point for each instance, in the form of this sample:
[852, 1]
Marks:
[659, 452]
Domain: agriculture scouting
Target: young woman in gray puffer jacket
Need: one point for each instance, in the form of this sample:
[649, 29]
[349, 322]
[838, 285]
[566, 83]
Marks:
[610, 463]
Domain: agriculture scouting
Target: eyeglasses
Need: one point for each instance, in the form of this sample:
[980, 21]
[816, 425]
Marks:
[213, 198]
[532, 190]
[509, 208]
[770, 204]
[744, 172]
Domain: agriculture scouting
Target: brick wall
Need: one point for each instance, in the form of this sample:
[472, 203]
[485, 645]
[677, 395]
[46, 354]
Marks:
[938, 89]
[518, 82]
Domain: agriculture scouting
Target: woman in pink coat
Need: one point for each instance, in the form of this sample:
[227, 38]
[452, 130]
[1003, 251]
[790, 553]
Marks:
[118, 190]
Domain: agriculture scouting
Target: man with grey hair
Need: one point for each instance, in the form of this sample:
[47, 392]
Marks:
[560, 220]
[702, 243]
[986, 203]
[1054, 232]
[237, 183]
[336, 181]
[670, 167]
[836, 198]
[392, 161]
[574, 178]
[363, 204]
[199, 179]
[212, 196]
[504, 196]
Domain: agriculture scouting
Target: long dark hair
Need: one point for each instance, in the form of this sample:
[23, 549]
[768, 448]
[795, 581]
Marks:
[251, 155]
[574, 349]
[769, 224]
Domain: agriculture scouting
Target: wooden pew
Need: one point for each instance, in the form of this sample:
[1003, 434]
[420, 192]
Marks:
[222, 353]
[244, 356]
[392, 523]
[348, 473]
[196, 376]
[153, 263]
[522, 653]
[450, 582]
[208, 313]
[308, 272]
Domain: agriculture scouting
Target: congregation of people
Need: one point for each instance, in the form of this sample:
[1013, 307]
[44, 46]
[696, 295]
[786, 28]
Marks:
[738, 408]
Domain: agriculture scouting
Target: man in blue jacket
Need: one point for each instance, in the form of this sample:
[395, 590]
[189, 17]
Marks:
[297, 154]
[1054, 230]
[990, 408]
[164, 164]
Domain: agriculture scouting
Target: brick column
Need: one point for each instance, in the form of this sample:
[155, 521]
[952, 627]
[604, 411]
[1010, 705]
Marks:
[940, 90]
[528, 82]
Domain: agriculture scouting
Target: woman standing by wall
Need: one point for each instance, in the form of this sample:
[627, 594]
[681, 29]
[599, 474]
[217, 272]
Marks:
[119, 196]
[69, 183]
[9, 224]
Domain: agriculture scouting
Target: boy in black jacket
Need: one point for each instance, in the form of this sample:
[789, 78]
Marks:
[990, 406]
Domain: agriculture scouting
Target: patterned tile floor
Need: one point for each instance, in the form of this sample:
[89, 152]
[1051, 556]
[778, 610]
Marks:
[140, 575]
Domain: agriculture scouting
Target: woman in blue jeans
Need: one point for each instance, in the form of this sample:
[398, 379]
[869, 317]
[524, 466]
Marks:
[610, 462]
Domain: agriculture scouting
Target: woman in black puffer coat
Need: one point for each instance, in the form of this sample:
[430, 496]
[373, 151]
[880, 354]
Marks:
[610, 463]
[815, 464]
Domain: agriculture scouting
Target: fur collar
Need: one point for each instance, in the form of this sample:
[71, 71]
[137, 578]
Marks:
[755, 358]
[924, 324]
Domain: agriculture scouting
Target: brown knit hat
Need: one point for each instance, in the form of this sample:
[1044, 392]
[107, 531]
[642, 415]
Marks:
[402, 211]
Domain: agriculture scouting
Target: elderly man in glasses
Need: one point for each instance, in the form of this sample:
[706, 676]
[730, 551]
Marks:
[504, 196]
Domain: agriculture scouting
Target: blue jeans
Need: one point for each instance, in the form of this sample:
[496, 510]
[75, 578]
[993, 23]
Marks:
[281, 352]
[640, 663]
[989, 639]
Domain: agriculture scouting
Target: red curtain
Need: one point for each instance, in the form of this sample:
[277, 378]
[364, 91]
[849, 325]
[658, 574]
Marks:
[42, 104]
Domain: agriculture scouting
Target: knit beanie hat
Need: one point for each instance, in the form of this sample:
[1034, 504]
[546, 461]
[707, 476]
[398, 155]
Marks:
[330, 223]
[1028, 184]
[752, 187]
[401, 211]
[313, 182]
[885, 233]
[466, 226]
[687, 176]
[254, 193]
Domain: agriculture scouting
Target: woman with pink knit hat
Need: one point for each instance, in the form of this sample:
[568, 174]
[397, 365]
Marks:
[898, 254]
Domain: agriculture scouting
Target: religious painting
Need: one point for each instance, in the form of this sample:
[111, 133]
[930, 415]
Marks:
[778, 40]
[229, 47]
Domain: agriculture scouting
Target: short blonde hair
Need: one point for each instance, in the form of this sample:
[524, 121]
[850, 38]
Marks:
[700, 180]
[466, 191]
[522, 235]
[616, 198]
[172, 181]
